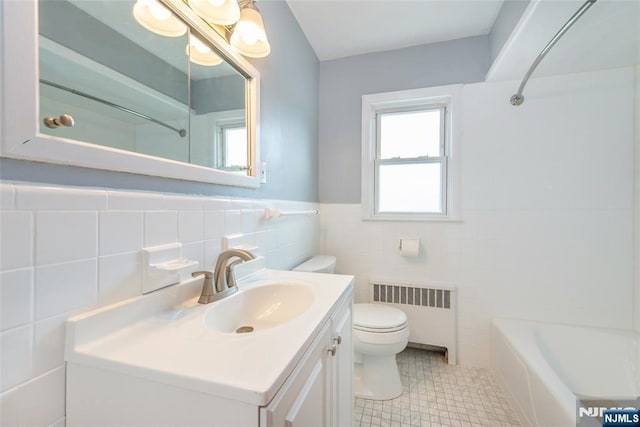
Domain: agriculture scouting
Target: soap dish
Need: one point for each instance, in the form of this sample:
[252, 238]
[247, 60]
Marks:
[163, 266]
[178, 265]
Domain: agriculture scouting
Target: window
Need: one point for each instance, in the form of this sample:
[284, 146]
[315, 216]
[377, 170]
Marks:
[230, 152]
[234, 146]
[411, 161]
[407, 156]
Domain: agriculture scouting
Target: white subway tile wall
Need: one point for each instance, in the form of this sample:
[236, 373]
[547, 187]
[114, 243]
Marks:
[16, 245]
[65, 236]
[120, 232]
[67, 250]
[547, 224]
[16, 289]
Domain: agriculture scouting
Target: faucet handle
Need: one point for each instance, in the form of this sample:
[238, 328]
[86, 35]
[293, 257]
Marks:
[230, 276]
[208, 292]
[206, 274]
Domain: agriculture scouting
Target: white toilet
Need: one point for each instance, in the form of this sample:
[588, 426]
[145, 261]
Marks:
[379, 333]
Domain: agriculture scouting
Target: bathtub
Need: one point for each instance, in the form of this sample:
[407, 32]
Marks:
[544, 366]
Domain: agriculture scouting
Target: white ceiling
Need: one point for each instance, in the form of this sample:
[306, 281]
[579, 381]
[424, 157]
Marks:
[340, 28]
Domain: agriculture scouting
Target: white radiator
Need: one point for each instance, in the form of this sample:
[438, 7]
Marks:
[431, 311]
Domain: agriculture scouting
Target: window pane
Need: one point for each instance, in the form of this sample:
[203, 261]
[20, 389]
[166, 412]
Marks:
[236, 146]
[410, 134]
[410, 188]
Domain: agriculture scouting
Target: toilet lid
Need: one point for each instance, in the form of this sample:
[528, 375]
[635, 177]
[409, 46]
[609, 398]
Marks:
[378, 317]
[317, 263]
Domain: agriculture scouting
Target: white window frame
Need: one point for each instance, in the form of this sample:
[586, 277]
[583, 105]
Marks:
[448, 97]
[224, 145]
[220, 120]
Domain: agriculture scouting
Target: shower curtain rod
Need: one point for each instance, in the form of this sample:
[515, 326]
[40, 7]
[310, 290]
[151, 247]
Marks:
[518, 98]
[181, 132]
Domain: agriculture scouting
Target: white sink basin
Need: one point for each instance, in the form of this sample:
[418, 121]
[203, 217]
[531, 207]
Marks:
[259, 308]
[168, 338]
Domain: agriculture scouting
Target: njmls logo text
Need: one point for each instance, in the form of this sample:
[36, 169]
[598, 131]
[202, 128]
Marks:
[614, 417]
[598, 411]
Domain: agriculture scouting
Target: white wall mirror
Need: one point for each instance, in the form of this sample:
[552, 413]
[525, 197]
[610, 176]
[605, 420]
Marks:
[184, 106]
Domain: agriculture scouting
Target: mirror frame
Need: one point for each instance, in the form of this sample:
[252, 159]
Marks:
[21, 138]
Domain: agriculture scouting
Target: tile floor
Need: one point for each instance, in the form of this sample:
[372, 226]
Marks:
[438, 394]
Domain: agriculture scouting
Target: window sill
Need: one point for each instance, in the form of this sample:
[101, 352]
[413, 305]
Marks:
[403, 218]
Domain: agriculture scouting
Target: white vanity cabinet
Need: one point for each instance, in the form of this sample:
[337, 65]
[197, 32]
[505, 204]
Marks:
[153, 361]
[319, 392]
[304, 400]
[342, 368]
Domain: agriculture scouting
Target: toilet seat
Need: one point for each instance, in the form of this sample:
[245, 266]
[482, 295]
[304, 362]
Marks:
[379, 324]
[379, 330]
[392, 339]
[378, 318]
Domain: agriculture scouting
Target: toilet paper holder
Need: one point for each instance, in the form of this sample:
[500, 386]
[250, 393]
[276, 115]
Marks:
[409, 247]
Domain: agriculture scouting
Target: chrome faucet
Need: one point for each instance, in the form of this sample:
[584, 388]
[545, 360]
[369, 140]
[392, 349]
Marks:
[207, 295]
[221, 282]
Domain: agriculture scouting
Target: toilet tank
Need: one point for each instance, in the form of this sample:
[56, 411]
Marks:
[318, 264]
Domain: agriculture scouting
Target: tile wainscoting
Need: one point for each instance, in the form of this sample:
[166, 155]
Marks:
[545, 265]
[65, 250]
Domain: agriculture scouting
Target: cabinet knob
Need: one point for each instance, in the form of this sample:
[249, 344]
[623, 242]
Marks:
[54, 122]
[338, 339]
[332, 349]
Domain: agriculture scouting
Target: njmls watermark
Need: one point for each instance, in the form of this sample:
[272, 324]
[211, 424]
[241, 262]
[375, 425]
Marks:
[608, 413]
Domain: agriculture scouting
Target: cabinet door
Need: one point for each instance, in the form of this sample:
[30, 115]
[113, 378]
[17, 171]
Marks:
[307, 410]
[303, 401]
[342, 370]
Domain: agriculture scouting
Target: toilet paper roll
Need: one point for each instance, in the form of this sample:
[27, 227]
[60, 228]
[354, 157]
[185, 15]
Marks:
[409, 247]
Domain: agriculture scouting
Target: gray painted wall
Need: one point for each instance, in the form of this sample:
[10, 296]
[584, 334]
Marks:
[217, 94]
[505, 22]
[344, 81]
[289, 128]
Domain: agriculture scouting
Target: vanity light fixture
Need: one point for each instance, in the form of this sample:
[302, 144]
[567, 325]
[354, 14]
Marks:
[221, 12]
[199, 53]
[249, 37]
[241, 18]
[155, 17]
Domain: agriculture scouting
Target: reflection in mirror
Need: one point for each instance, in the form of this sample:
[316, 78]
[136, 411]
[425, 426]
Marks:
[218, 117]
[132, 89]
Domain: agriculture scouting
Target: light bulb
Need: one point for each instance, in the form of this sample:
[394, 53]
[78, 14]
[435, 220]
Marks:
[249, 37]
[201, 54]
[222, 12]
[157, 18]
[250, 33]
[198, 44]
[158, 10]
